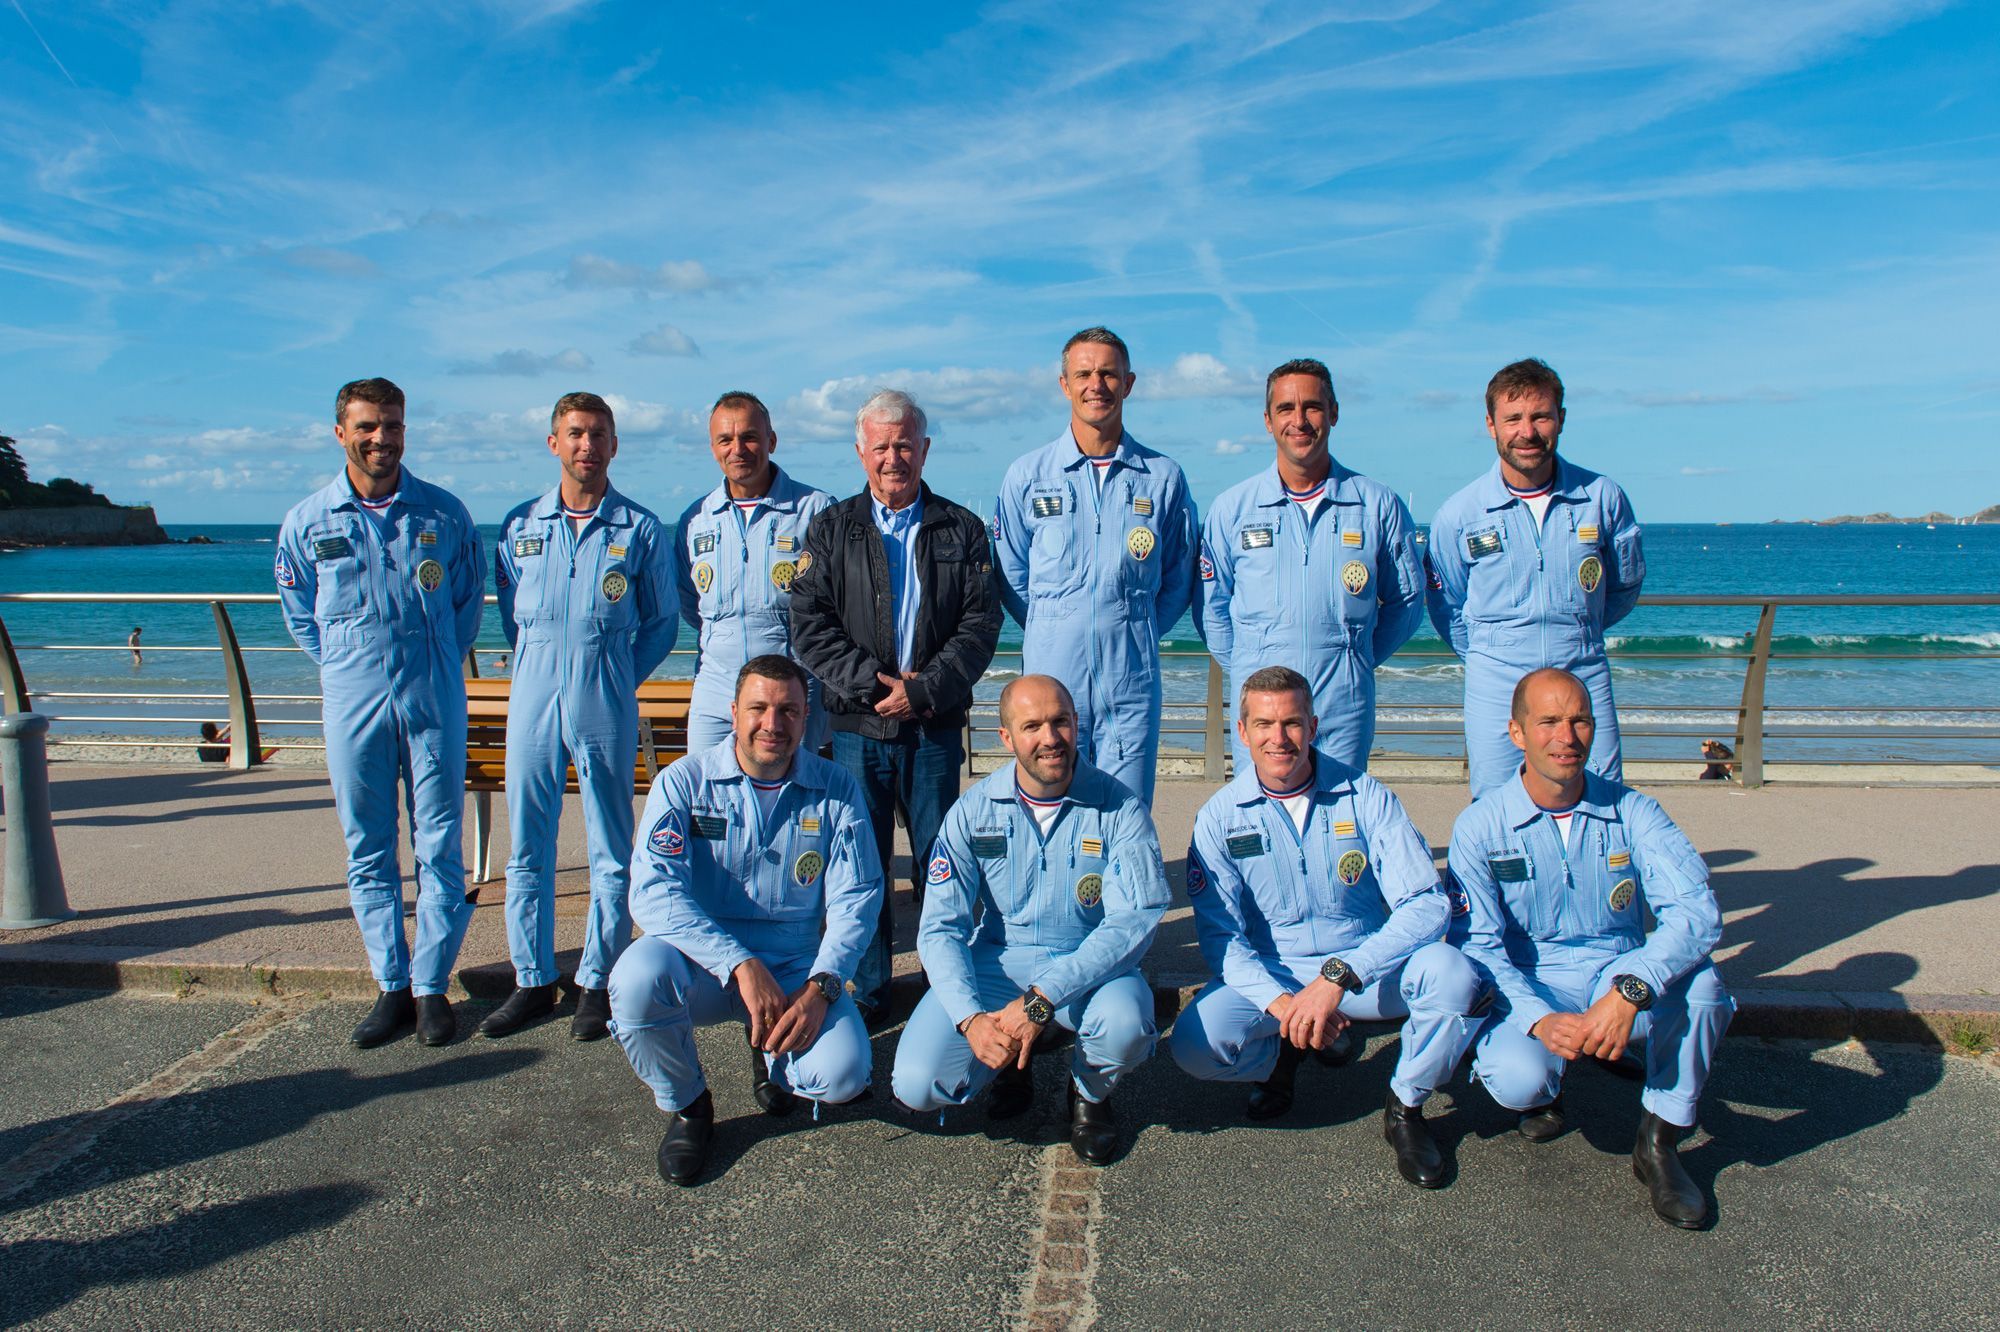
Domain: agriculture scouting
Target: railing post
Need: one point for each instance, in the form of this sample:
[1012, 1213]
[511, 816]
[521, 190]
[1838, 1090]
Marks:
[482, 807]
[13, 686]
[246, 747]
[1750, 717]
[969, 733]
[34, 893]
[1214, 746]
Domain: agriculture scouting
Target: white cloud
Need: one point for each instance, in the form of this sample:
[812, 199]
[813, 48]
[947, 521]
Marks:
[332, 262]
[1229, 448]
[954, 394]
[676, 275]
[1200, 375]
[666, 340]
[524, 364]
[1707, 471]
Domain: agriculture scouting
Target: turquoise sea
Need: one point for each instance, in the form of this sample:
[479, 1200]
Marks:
[1875, 665]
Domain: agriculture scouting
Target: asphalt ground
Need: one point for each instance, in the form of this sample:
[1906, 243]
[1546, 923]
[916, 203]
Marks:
[225, 1163]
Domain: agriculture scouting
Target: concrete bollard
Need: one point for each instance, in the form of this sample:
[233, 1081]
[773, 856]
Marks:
[34, 884]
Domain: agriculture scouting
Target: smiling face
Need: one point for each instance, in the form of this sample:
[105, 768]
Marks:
[584, 444]
[1553, 727]
[371, 435]
[892, 457]
[741, 438]
[770, 719]
[1300, 415]
[1038, 727]
[1525, 427]
[1278, 729]
[1096, 381]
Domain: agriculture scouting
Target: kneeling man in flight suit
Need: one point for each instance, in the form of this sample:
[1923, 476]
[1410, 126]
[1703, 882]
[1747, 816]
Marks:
[1041, 898]
[756, 886]
[1559, 868]
[1315, 902]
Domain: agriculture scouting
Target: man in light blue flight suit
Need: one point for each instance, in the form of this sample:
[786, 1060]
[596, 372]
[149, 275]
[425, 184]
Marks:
[756, 887]
[380, 581]
[1042, 896]
[1529, 565]
[1310, 565]
[1316, 902]
[736, 552]
[1094, 537]
[1557, 871]
[586, 596]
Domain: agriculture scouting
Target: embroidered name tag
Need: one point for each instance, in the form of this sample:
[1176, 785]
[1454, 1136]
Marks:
[1245, 845]
[1047, 506]
[524, 546]
[1092, 846]
[989, 846]
[1256, 538]
[704, 542]
[1508, 869]
[711, 827]
[1142, 505]
[331, 548]
[1478, 545]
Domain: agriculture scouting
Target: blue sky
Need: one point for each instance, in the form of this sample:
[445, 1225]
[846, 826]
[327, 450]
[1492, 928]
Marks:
[1758, 241]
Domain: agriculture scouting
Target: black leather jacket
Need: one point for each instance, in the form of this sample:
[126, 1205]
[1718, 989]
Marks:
[844, 623]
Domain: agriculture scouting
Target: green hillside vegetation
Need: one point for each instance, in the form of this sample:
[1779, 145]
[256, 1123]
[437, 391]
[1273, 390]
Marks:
[18, 492]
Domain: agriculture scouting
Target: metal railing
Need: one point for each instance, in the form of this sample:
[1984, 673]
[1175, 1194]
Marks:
[1752, 719]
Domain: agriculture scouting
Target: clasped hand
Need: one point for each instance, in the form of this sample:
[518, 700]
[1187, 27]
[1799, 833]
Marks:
[780, 1023]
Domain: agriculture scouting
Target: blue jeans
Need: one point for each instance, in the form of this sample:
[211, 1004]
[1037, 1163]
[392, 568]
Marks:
[919, 773]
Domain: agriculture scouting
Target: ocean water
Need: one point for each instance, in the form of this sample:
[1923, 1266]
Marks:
[1894, 682]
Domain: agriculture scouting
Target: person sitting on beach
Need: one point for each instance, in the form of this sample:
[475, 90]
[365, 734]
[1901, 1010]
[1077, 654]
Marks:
[1559, 869]
[1720, 760]
[214, 746]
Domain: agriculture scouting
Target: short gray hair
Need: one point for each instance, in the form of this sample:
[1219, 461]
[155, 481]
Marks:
[892, 406]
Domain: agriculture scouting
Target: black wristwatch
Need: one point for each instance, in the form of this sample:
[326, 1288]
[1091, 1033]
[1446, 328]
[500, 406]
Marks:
[1338, 972]
[1634, 991]
[829, 985]
[1037, 1009]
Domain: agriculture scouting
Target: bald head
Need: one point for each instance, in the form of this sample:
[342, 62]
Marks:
[1033, 693]
[1550, 690]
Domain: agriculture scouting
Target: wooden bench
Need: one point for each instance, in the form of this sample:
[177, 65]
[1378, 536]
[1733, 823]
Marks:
[663, 718]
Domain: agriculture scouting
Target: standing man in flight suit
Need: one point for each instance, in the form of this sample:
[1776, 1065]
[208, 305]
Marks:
[1529, 565]
[1061, 866]
[380, 581]
[586, 598]
[1559, 869]
[1094, 536]
[736, 552]
[756, 889]
[1315, 902]
[1310, 565]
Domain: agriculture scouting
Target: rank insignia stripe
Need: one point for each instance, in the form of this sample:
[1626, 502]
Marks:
[1343, 827]
[1350, 538]
[1255, 538]
[1587, 534]
[1091, 846]
[783, 542]
[809, 824]
[615, 552]
[427, 538]
[1618, 859]
[1142, 505]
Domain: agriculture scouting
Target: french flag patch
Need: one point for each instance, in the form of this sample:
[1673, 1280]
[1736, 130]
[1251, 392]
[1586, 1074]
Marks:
[941, 867]
[669, 835]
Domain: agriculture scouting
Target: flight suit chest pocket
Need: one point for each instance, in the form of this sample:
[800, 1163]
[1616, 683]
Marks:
[1583, 560]
[1006, 857]
[611, 594]
[782, 566]
[1351, 890]
[1272, 878]
[1086, 879]
[336, 550]
[1257, 595]
[804, 854]
[1049, 513]
[1512, 869]
[532, 551]
[1613, 903]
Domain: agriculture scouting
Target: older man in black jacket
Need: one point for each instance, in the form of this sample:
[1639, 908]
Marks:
[894, 608]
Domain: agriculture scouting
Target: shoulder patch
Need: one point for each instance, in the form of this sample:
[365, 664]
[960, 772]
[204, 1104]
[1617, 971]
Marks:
[1207, 568]
[283, 572]
[1197, 874]
[669, 835]
[941, 870]
[1454, 893]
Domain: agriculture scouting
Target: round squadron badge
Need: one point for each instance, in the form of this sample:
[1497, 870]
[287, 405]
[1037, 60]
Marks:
[430, 575]
[614, 586]
[1350, 867]
[704, 576]
[782, 574]
[1090, 890]
[1621, 896]
[807, 868]
[1590, 573]
[1140, 542]
[1354, 577]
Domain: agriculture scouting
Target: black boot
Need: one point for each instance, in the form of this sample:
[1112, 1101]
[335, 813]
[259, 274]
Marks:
[527, 1003]
[389, 1020]
[684, 1151]
[1013, 1091]
[1093, 1129]
[592, 1021]
[1417, 1155]
[436, 1023]
[1656, 1160]
[1339, 1051]
[775, 1100]
[1273, 1096]
[1543, 1122]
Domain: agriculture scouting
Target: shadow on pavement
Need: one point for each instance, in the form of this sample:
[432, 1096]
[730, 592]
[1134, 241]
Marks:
[215, 1121]
[217, 790]
[165, 927]
[40, 1276]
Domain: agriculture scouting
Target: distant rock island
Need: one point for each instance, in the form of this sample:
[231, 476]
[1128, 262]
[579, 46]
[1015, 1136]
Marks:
[65, 512]
[1989, 514]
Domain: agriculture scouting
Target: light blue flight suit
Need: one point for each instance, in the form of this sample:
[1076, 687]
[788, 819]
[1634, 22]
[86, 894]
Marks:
[734, 572]
[388, 618]
[1511, 596]
[1553, 925]
[1071, 914]
[1271, 905]
[716, 883]
[1332, 597]
[589, 615]
[1094, 575]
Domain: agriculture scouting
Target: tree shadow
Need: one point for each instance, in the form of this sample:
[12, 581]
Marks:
[217, 1120]
[41, 1276]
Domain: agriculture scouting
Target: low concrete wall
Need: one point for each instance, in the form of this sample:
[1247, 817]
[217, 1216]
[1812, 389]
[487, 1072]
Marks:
[80, 527]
